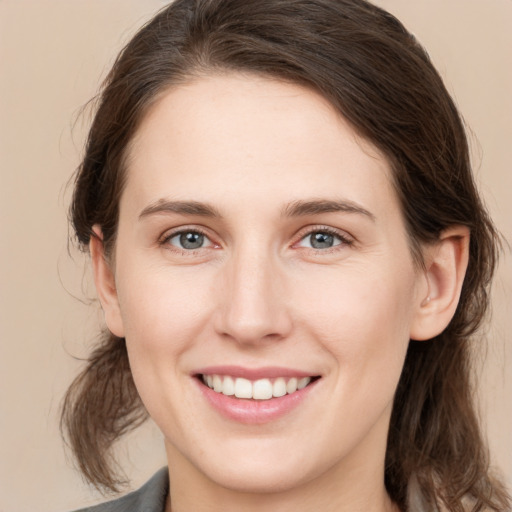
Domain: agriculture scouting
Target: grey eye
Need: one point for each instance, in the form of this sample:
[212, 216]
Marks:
[189, 240]
[320, 240]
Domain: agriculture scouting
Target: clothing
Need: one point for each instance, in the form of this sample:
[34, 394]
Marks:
[149, 498]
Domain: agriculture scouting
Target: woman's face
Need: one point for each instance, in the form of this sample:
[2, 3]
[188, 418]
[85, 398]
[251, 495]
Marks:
[261, 248]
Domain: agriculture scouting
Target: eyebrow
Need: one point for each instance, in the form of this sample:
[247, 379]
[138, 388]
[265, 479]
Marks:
[180, 207]
[294, 209]
[315, 207]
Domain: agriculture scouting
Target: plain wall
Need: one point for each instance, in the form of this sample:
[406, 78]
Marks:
[53, 54]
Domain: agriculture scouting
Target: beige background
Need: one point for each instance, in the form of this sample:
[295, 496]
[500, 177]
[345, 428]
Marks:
[52, 55]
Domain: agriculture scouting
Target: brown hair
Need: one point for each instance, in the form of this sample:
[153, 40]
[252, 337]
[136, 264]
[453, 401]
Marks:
[374, 72]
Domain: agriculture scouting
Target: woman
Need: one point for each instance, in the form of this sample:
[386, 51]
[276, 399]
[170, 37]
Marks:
[291, 256]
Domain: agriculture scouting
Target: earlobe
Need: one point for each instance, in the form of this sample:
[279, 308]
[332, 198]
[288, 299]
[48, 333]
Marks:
[445, 268]
[104, 280]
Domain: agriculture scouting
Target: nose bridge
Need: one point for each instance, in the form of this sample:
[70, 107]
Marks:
[253, 303]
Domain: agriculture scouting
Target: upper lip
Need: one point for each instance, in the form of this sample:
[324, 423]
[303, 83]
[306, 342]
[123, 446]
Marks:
[268, 372]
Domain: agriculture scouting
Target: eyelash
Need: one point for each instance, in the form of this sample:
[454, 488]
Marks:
[182, 231]
[345, 241]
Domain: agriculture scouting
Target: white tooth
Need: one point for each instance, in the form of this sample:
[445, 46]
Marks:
[303, 382]
[262, 389]
[291, 386]
[209, 381]
[243, 388]
[217, 383]
[279, 387]
[228, 386]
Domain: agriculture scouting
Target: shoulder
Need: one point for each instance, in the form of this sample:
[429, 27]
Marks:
[149, 498]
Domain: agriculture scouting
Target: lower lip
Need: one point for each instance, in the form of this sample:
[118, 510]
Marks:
[254, 411]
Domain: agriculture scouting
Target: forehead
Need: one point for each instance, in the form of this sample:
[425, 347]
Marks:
[232, 134]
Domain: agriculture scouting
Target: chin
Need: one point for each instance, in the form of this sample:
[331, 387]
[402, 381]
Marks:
[250, 467]
[258, 480]
[262, 468]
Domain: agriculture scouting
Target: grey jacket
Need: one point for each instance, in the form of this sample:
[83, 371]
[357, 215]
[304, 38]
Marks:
[149, 498]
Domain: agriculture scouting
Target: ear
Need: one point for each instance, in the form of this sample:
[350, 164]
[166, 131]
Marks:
[445, 262]
[104, 280]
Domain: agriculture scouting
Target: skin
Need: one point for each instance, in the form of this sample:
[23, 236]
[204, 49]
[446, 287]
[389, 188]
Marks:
[258, 294]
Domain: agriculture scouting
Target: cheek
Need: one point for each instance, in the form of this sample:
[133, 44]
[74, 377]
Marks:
[362, 318]
[163, 312]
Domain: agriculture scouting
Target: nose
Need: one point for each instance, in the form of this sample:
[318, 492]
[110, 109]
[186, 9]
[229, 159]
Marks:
[252, 305]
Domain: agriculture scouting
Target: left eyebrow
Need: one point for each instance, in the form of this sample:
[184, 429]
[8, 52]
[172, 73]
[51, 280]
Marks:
[315, 207]
[180, 207]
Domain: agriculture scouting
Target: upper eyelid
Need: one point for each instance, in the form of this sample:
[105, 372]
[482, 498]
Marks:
[346, 241]
[164, 241]
[170, 233]
[308, 230]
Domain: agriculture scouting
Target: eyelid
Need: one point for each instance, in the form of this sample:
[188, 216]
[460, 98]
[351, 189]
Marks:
[345, 238]
[164, 239]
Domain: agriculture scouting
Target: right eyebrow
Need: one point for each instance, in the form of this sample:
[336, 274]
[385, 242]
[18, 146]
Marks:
[180, 207]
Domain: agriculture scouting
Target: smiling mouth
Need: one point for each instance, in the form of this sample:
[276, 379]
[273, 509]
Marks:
[261, 389]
